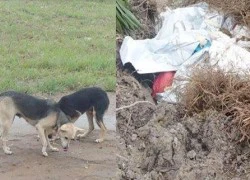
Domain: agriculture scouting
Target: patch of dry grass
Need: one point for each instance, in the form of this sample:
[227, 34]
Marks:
[229, 93]
[239, 9]
[146, 12]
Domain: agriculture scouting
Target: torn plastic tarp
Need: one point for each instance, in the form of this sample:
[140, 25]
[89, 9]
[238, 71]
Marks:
[224, 54]
[187, 36]
[183, 30]
[153, 55]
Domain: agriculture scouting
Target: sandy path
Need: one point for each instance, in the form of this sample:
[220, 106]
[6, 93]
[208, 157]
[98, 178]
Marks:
[84, 160]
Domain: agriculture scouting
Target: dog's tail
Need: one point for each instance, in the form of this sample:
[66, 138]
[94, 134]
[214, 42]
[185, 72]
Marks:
[99, 119]
[102, 104]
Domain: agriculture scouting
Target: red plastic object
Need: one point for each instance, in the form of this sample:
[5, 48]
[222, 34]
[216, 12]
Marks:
[162, 81]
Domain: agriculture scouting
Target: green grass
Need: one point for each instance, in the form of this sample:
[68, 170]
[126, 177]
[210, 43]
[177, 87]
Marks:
[51, 46]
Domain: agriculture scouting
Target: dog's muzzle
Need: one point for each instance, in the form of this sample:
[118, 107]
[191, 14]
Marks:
[66, 148]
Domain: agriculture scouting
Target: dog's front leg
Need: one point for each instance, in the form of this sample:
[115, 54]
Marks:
[90, 117]
[42, 136]
[50, 146]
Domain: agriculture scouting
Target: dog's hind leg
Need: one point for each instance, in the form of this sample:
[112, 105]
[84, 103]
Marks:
[103, 129]
[90, 116]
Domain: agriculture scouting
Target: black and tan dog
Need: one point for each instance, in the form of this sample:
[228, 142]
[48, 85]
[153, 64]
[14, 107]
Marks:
[94, 101]
[44, 114]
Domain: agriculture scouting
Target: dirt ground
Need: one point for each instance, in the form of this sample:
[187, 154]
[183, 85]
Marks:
[157, 142]
[85, 159]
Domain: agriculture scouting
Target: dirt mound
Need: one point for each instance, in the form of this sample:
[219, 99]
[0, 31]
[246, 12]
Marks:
[167, 146]
[160, 142]
[134, 105]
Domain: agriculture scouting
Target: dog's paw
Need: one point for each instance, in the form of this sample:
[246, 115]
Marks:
[8, 151]
[55, 138]
[45, 154]
[54, 149]
[80, 136]
[99, 140]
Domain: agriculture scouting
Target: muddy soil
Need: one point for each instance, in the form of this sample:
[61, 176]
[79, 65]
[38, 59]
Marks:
[157, 142]
[85, 159]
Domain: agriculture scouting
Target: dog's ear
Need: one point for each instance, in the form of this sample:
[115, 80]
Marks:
[63, 128]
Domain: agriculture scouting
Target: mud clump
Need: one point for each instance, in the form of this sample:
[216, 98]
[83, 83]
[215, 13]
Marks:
[129, 91]
[158, 142]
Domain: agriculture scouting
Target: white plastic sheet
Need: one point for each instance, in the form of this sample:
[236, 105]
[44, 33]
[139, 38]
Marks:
[183, 31]
[159, 55]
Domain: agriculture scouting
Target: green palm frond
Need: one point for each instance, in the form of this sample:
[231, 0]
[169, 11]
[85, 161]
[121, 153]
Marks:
[125, 20]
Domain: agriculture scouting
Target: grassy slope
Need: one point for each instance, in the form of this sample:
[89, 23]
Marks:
[57, 45]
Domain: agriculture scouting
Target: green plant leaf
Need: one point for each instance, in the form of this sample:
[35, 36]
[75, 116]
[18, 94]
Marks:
[125, 19]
